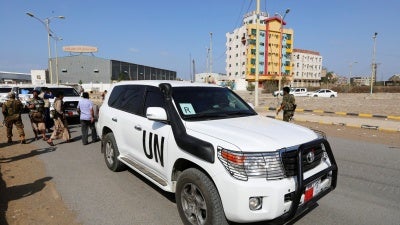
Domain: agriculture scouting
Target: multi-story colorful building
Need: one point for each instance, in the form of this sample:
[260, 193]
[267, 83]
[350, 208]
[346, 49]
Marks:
[275, 44]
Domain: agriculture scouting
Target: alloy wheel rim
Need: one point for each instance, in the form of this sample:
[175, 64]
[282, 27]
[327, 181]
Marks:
[193, 204]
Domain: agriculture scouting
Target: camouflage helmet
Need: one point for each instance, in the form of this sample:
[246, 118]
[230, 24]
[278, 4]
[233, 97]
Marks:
[11, 95]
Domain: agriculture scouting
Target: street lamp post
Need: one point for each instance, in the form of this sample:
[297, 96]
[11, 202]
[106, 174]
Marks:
[55, 47]
[257, 54]
[210, 58]
[46, 23]
[373, 74]
[280, 47]
[350, 67]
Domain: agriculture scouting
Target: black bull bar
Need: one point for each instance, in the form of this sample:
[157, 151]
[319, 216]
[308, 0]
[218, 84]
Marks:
[301, 185]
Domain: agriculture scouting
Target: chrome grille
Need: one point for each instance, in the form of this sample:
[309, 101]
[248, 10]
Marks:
[70, 105]
[289, 159]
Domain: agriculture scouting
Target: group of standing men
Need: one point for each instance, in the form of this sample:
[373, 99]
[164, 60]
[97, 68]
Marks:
[42, 119]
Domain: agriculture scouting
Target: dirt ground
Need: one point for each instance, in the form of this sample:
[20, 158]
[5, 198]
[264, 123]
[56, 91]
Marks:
[29, 197]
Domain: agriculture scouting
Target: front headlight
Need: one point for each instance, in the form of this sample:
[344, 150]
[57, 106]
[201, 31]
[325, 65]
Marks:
[258, 165]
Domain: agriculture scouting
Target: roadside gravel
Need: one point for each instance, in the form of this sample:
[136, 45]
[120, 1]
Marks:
[377, 103]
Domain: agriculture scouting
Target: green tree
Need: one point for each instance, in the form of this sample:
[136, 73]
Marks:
[329, 78]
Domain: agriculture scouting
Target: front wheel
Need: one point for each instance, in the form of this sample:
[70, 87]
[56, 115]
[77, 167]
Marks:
[198, 200]
[111, 153]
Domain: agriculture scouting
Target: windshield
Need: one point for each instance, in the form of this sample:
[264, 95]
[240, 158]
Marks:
[25, 90]
[68, 92]
[204, 103]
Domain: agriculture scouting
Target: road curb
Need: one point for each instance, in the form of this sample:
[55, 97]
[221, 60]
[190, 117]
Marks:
[362, 126]
[364, 115]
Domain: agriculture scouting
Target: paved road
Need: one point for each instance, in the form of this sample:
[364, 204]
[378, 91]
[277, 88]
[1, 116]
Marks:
[368, 189]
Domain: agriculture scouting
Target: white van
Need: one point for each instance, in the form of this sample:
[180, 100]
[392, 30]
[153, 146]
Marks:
[295, 91]
[302, 92]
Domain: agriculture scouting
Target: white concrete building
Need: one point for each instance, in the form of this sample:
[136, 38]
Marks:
[237, 57]
[307, 68]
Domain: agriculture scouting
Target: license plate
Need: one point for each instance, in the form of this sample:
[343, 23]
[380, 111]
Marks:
[312, 190]
[72, 113]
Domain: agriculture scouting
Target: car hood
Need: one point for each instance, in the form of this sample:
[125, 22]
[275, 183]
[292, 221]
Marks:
[253, 133]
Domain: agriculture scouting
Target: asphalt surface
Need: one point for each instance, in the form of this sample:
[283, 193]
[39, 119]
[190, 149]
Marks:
[368, 188]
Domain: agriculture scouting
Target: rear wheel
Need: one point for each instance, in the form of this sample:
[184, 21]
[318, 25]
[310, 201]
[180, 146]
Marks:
[111, 153]
[198, 200]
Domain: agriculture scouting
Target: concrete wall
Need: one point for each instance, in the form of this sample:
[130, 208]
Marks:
[87, 69]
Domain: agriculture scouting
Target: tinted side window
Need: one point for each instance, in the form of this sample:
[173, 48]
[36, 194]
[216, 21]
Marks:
[128, 98]
[154, 98]
[5, 90]
[68, 92]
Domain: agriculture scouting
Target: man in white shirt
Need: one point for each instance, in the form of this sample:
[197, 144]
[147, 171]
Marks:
[86, 112]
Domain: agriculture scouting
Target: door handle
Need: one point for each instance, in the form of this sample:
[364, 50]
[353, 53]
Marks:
[114, 119]
[138, 127]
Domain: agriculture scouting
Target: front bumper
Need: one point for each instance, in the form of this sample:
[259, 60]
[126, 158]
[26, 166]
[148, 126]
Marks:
[282, 200]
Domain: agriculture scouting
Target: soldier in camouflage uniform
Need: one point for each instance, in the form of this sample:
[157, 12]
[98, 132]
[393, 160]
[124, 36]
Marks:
[288, 105]
[12, 110]
[36, 114]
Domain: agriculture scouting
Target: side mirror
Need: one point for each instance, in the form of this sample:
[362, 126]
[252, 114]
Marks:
[156, 113]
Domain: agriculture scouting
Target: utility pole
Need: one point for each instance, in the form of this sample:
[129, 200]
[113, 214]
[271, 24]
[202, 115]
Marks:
[194, 71]
[280, 48]
[211, 62]
[373, 74]
[351, 66]
[46, 23]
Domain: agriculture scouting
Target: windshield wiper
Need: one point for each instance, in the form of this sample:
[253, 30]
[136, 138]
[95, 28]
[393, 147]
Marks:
[239, 113]
[206, 115]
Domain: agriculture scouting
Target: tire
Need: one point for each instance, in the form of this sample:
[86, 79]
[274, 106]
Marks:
[315, 96]
[111, 153]
[332, 96]
[198, 200]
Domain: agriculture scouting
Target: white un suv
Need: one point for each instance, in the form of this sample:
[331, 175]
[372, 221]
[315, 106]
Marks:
[222, 160]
